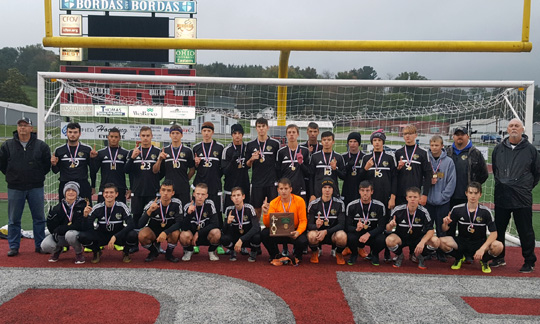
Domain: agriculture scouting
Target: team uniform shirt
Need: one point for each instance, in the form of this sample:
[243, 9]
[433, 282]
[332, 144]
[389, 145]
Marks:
[372, 215]
[353, 166]
[63, 217]
[297, 206]
[233, 164]
[418, 174]
[73, 163]
[316, 147]
[263, 170]
[320, 168]
[209, 169]
[111, 220]
[383, 175]
[112, 162]
[472, 226]
[202, 220]
[412, 226]
[176, 166]
[165, 218]
[331, 212]
[143, 180]
[288, 167]
[245, 222]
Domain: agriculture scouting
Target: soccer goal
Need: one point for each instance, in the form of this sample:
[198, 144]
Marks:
[101, 101]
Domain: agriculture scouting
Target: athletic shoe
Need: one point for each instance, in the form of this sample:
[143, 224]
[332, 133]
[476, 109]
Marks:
[333, 253]
[468, 260]
[485, 267]
[213, 256]
[285, 253]
[421, 262]
[39, 250]
[526, 268]
[220, 250]
[154, 253]
[362, 253]
[441, 256]
[55, 256]
[12, 252]
[346, 251]
[320, 252]
[387, 256]
[96, 258]
[375, 260]
[399, 261]
[187, 255]
[413, 258]
[65, 249]
[87, 250]
[170, 257]
[244, 251]
[196, 250]
[233, 256]
[134, 249]
[339, 259]
[252, 256]
[118, 247]
[79, 258]
[314, 257]
[126, 258]
[499, 262]
[457, 264]
[305, 251]
[352, 260]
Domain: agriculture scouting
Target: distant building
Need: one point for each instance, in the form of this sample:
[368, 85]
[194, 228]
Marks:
[222, 123]
[10, 113]
[536, 135]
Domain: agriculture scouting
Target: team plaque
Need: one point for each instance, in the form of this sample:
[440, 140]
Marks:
[281, 224]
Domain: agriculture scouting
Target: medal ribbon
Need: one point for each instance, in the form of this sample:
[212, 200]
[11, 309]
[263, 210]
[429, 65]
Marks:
[70, 215]
[241, 152]
[207, 156]
[147, 152]
[356, 159]
[471, 221]
[197, 216]
[326, 214]
[240, 220]
[412, 155]
[175, 158]
[163, 216]
[409, 219]
[286, 210]
[71, 156]
[113, 159]
[107, 219]
[377, 163]
[366, 215]
[295, 153]
[438, 165]
[329, 159]
[262, 149]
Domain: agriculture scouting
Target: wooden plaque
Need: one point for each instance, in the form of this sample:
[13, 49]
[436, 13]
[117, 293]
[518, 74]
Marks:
[281, 224]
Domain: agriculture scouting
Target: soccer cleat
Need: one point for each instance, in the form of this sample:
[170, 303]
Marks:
[457, 264]
[485, 267]
[233, 256]
[252, 256]
[134, 249]
[441, 256]
[499, 262]
[285, 253]
[126, 258]
[65, 249]
[55, 256]
[170, 257]
[213, 256]
[79, 258]
[375, 260]
[220, 250]
[96, 258]
[154, 253]
[422, 262]
[399, 261]
[333, 253]
[346, 251]
[526, 268]
[196, 250]
[352, 260]
[244, 251]
[339, 259]
[314, 257]
[362, 253]
[413, 258]
[87, 250]
[187, 255]
[118, 247]
[12, 252]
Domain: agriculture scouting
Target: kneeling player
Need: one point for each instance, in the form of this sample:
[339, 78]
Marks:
[414, 229]
[161, 220]
[200, 225]
[472, 221]
[111, 216]
[330, 228]
[241, 227]
[365, 223]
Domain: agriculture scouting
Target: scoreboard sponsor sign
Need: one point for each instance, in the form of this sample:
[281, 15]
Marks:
[167, 6]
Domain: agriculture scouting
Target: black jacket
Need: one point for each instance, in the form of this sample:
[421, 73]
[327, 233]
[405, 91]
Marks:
[516, 172]
[477, 170]
[25, 168]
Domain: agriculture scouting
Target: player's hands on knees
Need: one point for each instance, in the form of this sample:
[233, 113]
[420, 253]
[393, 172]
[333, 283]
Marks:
[238, 246]
[162, 237]
[110, 246]
[419, 248]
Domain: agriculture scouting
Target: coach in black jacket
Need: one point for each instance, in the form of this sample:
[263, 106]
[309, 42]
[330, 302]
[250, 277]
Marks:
[25, 160]
[516, 168]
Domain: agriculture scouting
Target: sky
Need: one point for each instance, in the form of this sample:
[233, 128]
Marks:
[22, 23]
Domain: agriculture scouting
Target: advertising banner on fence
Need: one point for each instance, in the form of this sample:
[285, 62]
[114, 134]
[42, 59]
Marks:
[185, 28]
[76, 110]
[168, 6]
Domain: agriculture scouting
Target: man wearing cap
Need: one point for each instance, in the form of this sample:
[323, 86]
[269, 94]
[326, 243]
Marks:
[233, 164]
[25, 160]
[353, 164]
[177, 164]
[469, 162]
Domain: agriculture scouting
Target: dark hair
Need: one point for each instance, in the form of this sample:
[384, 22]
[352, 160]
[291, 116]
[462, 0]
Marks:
[328, 134]
[292, 126]
[237, 189]
[313, 125]
[202, 185]
[261, 121]
[74, 126]
[285, 181]
[365, 184]
[114, 130]
[474, 184]
[110, 185]
[413, 189]
[145, 128]
[167, 183]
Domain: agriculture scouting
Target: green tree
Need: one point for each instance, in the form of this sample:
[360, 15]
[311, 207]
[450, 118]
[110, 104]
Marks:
[10, 89]
[34, 58]
[364, 73]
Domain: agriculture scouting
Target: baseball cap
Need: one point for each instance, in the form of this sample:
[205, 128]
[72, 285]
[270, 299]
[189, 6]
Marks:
[460, 129]
[26, 120]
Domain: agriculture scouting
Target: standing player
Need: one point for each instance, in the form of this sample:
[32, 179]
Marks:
[139, 166]
[293, 162]
[200, 225]
[413, 169]
[353, 162]
[112, 161]
[73, 162]
[261, 155]
[241, 228]
[473, 221]
[365, 224]
[176, 164]
[234, 166]
[313, 146]
[326, 163]
[111, 215]
[160, 222]
[326, 222]
[414, 229]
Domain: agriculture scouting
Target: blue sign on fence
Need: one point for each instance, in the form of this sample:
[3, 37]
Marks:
[168, 6]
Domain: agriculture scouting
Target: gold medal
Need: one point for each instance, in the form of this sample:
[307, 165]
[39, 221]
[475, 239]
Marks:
[142, 166]
[409, 167]
[206, 164]
[69, 224]
[241, 231]
[366, 226]
[113, 166]
[410, 231]
[198, 227]
[293, 167]
[240, 166]
[261, 160]
[72, 165]
[353, 173]
[176, 165]
[327, 172]
[163, 224]
[326, 223]
[470, 229]
[435, 176]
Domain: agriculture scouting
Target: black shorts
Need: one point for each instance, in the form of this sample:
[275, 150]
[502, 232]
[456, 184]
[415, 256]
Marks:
[410, 241]
[259, 193]
[468, 247]
[156, 227]
[327, 239]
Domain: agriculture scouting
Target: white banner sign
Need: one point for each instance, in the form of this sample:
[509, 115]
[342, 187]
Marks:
[145, 111]
[71, 54]
[70, 25]
[110, 111]
[76, 110]
[182, 112]
[185, 28]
